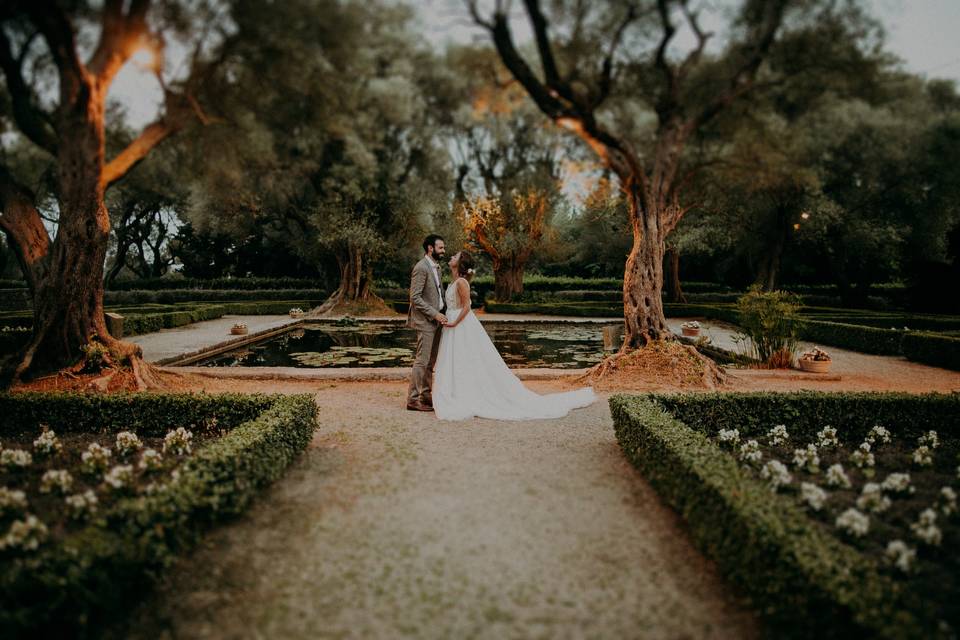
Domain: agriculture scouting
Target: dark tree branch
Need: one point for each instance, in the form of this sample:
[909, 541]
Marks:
[33, 123]
[702, 37]
[606, 71]
[755, 50]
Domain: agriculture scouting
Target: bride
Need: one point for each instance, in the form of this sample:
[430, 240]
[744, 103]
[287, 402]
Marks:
[470, 377]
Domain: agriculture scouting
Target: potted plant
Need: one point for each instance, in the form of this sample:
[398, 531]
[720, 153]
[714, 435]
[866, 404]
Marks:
[815, 360]
[296, 312]
[238, 328]
[691, 328]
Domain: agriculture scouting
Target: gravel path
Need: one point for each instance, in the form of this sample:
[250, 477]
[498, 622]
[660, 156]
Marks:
[394, 524]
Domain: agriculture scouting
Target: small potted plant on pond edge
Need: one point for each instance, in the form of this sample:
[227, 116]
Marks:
[691, 328]
[816, 360]
[297, 312]
[238, 328]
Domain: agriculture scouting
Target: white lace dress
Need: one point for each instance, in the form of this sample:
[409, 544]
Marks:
[472, 380]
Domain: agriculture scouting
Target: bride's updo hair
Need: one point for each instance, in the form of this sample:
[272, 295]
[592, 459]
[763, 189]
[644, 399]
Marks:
[465, 266]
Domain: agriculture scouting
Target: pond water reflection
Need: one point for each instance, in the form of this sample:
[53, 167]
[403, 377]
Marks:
[558, 345]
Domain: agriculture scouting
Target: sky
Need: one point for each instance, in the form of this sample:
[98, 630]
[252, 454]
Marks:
[921, 32]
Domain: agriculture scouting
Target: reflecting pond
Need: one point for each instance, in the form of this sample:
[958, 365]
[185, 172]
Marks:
[558, 345]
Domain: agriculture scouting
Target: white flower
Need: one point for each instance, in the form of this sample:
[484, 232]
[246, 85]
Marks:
[853, 522]
[837, 477]
[897, 483]
[900, 555]
[778, 435]
[750, 452]
[813, 495]
[95, 458]
[26, 534]
[807, 458]
[15, 458]
[929, 439]
[948, 501]
[923, 456]
[862, 459]
[12, 500]
[128, 442]
[827, 437]
[878, 433]
[177, 441]
[776, 474]
[150, 460]
[120, 476]
[872, 499]
[81, 504]
[729, 436]
[58, 479]
[926, 528]
[47, 443]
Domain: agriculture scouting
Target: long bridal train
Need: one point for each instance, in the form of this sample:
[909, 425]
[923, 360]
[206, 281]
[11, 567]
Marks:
[472, 380]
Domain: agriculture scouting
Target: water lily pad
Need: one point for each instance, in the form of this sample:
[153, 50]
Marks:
[566, 334]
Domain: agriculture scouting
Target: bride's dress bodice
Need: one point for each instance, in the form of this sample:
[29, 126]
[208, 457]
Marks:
[451, 298]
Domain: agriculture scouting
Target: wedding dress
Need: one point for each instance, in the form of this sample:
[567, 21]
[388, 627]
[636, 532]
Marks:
[471, 378]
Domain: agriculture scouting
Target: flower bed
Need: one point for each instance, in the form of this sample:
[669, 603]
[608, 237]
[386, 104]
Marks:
[97, 503]
[755, 476]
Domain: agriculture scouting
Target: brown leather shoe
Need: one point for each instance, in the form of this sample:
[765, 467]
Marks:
[418, 406]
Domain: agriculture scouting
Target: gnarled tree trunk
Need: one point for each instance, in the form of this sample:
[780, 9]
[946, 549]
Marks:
[674, 290]
[643, 276]
[355, 291]
[507, 280]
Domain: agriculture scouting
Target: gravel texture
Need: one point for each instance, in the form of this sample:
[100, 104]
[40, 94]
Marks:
[394, 524]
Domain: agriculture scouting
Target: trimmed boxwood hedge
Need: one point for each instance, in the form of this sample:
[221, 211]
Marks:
[168, 296]
[574, 309]
[217, 283]
[147, 319]
[805, 582]
[931, 348]
[73, 588]
[850, 336]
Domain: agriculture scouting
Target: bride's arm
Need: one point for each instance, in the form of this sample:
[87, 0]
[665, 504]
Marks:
[463, 294]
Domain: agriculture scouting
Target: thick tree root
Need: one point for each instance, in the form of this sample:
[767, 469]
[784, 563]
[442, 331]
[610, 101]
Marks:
[339, 304]
[663, 362]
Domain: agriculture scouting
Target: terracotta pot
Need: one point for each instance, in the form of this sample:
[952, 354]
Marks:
[690, 332]
[238, 331]
[815, 366]
[298, 315]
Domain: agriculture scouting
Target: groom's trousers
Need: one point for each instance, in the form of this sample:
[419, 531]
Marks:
[421, 378]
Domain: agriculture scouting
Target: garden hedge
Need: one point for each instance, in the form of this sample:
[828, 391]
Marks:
[804, 581]
[850, 336]
[168, 296]
[217, 283]
[76, 587]
[931, 348]
[147, 319]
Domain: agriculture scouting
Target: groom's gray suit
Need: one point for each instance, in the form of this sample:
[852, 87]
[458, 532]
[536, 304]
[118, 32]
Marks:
[426, 303]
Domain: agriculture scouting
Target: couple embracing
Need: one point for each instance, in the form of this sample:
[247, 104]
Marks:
[458, 372]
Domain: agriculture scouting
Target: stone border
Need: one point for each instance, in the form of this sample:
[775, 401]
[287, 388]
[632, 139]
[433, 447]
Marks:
[226, 345]
[354, 374]
[181, 361]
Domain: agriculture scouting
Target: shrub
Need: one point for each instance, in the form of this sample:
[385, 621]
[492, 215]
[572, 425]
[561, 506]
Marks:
[930, 348]
[805, 581]
[72, 588]
[216, 283]
[767, 319]
[170, 296]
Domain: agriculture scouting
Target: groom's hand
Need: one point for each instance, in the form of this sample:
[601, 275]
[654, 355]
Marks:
[442, 319]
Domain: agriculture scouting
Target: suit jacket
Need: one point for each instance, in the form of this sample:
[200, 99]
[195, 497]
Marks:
[426, 300]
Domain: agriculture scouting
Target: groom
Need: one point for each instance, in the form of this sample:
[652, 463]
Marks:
[427, 307]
